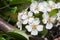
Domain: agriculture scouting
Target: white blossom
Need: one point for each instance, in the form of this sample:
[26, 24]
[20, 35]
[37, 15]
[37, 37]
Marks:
[51, 5]
[20, 19]
[57, 5]
[34, 7]
[49, 26]
[48, 20]
[58, 16]
[47, 6]
[31, 23]
[19, 25]
[29, 18]
[26, 17]
[42, 6]
[34, 27]
[21, 15]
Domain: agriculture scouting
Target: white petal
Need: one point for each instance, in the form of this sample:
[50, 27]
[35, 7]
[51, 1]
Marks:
[58, 16]
[36, 21]
[34, 3]
[57, 5]
[44, 3]
[45, 15]
[49, 9]
[19, 16]
[22, 14]
[19, 25]
[31, 20]
[30, 13]
[34, 32]
[53, 19]
[36, 11]
[51, 2]
[40, 27]
[44, 21]
[42, 6]
[24, 17]
[58, 19]
[33, 6]
[29, 28]
[25, 21]
[49, 26]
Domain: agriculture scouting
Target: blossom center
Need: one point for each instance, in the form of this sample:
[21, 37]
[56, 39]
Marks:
[37, 8]
[49, 19]
[20, 21]
[29, 17]
[33, 26]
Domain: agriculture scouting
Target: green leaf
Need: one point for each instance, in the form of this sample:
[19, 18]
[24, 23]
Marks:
[2, 38]
[18, 1]
[13, 10]
[53, 12]
[39, 15]
[44, 32]
[58, 0]
[54, 0]
[9, 0]
[7, 38]
[18, 34]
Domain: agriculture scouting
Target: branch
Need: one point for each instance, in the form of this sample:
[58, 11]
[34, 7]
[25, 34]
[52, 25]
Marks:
[5, 26]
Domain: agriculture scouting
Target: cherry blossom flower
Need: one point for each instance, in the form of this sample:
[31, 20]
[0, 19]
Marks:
[42, 6]
[19, 25]
[31, 23]
[34, 27]
[24, 18]
[51, 5]
[34, 7]
[57, 5]
[58, 16]
[29, 18]
[20, 19]
[48, 20]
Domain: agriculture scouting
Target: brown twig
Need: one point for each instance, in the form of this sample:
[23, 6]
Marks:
[5, 26]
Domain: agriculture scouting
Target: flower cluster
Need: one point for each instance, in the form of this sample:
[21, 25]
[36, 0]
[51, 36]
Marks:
[32, 23]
